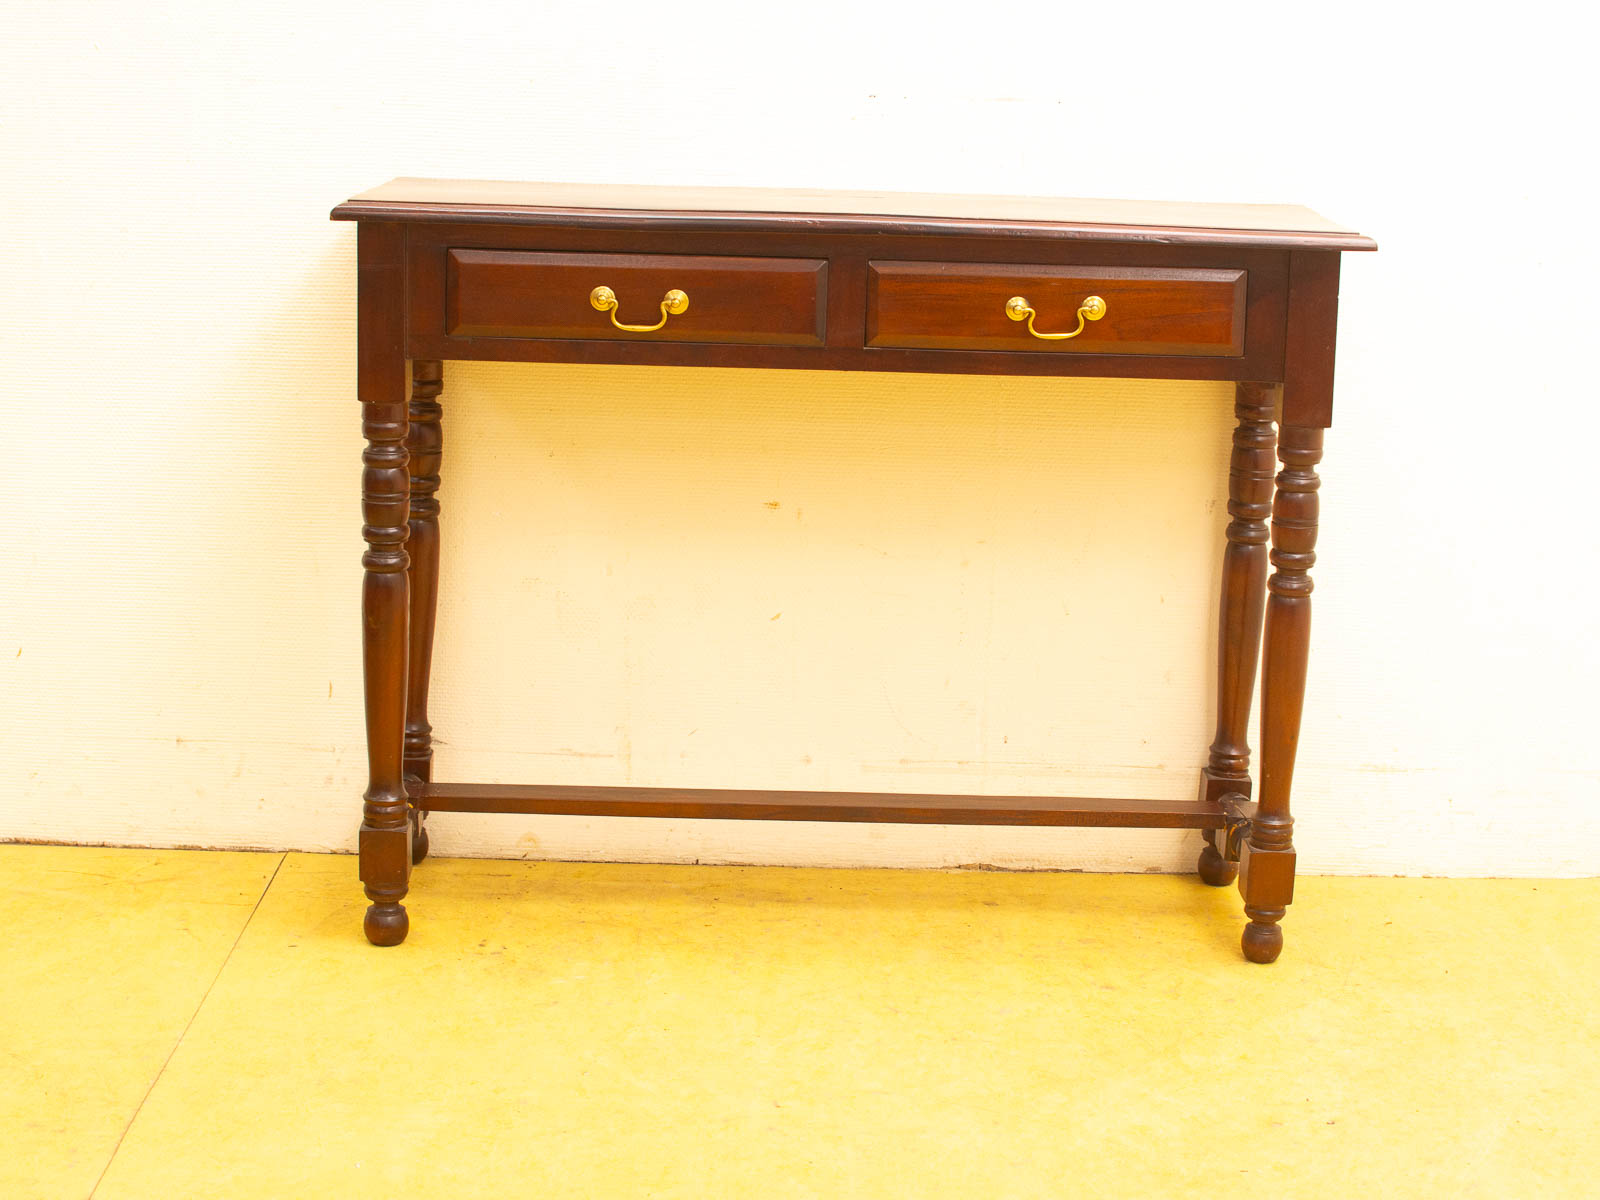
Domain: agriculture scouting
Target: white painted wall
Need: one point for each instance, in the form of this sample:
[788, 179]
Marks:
[723, 578]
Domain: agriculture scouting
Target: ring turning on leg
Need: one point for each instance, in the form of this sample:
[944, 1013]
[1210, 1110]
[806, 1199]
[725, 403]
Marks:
[1266, 868]
[1243, 600]
[385, 838]
[425, 446]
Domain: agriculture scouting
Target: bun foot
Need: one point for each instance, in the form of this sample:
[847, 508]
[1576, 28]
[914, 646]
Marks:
[419, 838]
[1216, 870]
[386, 924]
[1262, 943]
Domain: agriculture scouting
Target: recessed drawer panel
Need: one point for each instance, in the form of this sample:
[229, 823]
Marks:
[1101, 310]
[664, 298]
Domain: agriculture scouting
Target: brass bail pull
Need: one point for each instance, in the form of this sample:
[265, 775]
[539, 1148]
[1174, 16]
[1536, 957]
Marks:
[1092, 309]
[672, 304]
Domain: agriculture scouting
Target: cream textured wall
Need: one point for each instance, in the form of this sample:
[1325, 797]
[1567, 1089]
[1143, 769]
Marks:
[809, 580]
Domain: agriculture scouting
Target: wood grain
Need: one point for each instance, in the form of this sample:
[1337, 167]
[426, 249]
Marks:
[752, 301]
[1309, 337]
[425, 446]
[961, 306]
[1240, 612]
[1244, 586]
[727, 209]
[1266, 868]
[720, 803]
[385, 836]
[848, 281]
[430, 247]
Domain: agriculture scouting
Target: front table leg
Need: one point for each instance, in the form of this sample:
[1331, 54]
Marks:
[385, 504]
[1266, 867]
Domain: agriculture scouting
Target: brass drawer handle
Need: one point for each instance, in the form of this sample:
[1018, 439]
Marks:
[1092, 309]
[673, 303]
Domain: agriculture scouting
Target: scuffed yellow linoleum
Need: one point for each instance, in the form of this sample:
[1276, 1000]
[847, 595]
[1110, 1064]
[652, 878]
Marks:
[620, 1030]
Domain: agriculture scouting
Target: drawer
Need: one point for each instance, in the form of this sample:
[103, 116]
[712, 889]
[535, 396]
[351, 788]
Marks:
[522, 294]
[964, 306]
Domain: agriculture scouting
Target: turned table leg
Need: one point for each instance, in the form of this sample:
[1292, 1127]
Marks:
[1267, 862]
[425, 443]
[386, 824]
[1244, 597]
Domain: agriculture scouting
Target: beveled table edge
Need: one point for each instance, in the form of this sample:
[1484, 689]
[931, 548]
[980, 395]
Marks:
[845, 223]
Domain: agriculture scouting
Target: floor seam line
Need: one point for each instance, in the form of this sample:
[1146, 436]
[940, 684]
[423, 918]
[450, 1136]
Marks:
[189, 1024]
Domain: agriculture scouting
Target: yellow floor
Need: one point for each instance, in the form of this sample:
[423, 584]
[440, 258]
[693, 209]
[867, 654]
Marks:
[180, 1024]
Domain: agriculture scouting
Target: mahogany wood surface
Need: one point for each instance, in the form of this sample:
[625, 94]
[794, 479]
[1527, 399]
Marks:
[849, 281]
[1266, 869]
[962, 306]
[1244, 597]
[1312, 320]
[385, 836]
[425, 445]
[817, 806]
[726, 209]
[761, 301]
[431, 249]
[1244, 583]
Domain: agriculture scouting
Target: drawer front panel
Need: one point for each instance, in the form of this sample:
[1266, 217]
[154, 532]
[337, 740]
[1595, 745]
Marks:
[963, 306]
[522, 294]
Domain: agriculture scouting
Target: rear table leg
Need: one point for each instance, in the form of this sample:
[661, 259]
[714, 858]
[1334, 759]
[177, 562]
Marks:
[425, 444]
[1244, 597]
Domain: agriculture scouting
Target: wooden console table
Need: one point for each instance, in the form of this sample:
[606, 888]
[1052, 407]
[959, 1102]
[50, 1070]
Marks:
[853, 282]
